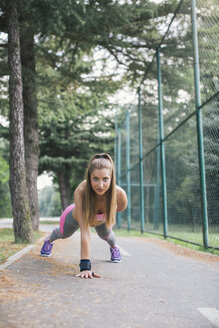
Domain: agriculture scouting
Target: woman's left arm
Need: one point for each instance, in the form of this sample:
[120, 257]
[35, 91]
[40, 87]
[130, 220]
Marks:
[121, 199]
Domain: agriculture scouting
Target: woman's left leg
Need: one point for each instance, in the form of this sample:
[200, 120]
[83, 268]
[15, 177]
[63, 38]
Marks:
[108, 235]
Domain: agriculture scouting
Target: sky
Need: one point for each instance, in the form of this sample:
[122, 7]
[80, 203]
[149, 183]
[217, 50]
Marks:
[44, 180]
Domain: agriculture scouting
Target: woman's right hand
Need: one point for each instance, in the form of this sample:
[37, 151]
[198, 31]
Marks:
[87, 274]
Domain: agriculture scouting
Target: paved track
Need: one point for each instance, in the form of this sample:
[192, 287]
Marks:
[156, 286]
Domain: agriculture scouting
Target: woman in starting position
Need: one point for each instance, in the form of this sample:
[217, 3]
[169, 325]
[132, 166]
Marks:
[96, 201]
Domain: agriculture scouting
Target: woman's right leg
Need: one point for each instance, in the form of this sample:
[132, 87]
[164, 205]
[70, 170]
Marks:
[67, 226]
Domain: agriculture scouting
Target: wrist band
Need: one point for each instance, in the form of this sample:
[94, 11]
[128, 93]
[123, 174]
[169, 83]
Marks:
[85, 265]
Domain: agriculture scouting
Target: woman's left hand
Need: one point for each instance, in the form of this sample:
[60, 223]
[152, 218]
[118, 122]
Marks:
[87, 274]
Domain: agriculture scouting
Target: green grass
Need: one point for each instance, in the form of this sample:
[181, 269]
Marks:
[49, 222]
[196, 247]
[196, 237]
[134, 233]
[8, 246]
[178, 231]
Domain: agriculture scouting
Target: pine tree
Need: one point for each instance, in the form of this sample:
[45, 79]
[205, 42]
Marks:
[19, 195]
[31, 136]
[67, 144]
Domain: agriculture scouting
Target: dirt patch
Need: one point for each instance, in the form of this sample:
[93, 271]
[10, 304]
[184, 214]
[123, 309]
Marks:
[55, 267]
[183, 251]
[6, 281]
[12, 289]
[15, 287]
[61, 260]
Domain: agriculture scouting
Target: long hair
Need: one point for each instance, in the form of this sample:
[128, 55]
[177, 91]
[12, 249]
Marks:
[100, 161]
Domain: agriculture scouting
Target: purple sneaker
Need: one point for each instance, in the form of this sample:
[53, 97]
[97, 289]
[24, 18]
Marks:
[47, 248]
[115, 255]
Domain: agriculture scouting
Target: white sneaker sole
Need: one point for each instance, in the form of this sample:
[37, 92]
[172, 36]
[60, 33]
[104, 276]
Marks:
[45, 255]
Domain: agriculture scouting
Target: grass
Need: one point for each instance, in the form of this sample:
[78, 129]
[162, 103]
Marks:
[185, 233]
[49, 222]
[8, 246]
[134, 233]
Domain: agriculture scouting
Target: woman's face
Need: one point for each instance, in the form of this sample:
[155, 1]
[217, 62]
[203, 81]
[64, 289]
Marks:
[100, 180]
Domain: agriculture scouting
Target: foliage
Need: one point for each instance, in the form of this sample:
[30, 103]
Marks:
[67, 144]
[4, 171]
[5, 200]
[49, 202]
[181, 148]
[73, 86]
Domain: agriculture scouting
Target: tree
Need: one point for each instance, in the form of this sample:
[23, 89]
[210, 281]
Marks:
[31, 136]
[87, 25]
[183, 186]
[66, 146]
[18, 187]
[30, 107]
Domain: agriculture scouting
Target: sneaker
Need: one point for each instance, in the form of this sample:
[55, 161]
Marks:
[115, 255]
[47, 248]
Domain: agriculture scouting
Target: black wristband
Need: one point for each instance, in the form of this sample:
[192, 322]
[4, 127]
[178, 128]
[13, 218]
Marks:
[85, 265]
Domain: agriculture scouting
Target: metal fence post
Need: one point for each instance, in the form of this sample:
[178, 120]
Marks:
[141, 174]
[128, 168]
[162, 146]
[157, 194]
[119, 173]
[199, 124]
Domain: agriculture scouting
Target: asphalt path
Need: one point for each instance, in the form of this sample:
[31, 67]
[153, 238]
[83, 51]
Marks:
[156, 285]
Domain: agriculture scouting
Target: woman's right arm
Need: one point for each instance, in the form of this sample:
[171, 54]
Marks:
[80, 217]
[85, 230]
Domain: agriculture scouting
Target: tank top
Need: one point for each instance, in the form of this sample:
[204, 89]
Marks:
[100, 217]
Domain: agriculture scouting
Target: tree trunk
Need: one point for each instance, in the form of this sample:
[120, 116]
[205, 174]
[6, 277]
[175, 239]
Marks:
[31, 137]
[19, 196]
[64, 188]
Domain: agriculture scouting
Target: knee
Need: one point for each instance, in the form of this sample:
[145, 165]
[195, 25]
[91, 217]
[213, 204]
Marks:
[64, 236]
[105, 235]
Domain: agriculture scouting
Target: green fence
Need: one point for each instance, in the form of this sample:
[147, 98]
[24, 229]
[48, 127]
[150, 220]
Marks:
[166, 145]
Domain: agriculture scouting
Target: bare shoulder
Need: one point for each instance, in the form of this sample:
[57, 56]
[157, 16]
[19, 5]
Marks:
[120, 192]
[78, 200]
[121, 199]
[79, 191]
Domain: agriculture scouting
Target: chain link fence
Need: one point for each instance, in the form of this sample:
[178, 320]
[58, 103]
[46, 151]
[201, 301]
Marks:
[167, 141]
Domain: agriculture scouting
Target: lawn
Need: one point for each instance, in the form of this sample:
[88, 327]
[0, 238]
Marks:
[179, 231]
[196, 238]
[8, 246]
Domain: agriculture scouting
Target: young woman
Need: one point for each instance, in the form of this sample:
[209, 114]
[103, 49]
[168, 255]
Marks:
[96, 201]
